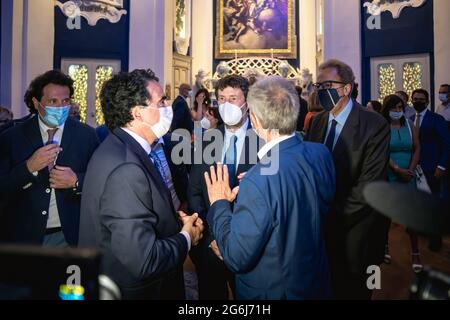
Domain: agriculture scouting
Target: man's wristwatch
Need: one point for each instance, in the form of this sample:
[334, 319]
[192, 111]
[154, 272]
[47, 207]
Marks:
[76, 186]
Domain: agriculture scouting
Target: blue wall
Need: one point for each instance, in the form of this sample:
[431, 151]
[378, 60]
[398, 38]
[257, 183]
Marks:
[293, 62]
[5, 52]
[104, 41]
[411, 33]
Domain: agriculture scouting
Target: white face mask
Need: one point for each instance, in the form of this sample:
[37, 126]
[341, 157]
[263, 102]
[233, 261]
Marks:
[443, 97]
[206, 124]
[190, 93]
[395, 115]
[231, 114]
[165, 121]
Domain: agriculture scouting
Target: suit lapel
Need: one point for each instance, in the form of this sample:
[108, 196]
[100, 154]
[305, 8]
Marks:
[33, 133]
[137, 149]
[322, 126]
[66, 140]
[348, 134]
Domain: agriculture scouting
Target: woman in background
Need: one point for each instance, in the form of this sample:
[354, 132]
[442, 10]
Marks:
[404, 157]
[201, 102]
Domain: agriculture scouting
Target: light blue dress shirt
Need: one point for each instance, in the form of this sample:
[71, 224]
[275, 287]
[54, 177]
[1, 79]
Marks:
[341, 119]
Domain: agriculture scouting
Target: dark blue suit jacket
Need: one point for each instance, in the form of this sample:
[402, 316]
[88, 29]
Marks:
[272, 239]
[182, 118]
[27, 196]
[434, 142]
[127, 213]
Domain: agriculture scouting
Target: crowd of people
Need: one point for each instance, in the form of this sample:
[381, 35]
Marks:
[273, 207]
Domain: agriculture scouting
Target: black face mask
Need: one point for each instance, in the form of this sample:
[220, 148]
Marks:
[328, 98]
[419, 106]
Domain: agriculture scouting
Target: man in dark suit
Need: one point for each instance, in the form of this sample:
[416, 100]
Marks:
[42, 167]
[434, 148]
[303, 110]
[182, 118]
[127, 210]
[359, 141]
[235, 139]
[272, 238]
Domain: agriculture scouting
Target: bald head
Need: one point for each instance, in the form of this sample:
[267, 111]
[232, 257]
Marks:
[184, 89]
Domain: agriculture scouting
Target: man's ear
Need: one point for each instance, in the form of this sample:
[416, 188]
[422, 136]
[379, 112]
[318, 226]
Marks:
[348, 89]
[35, 103]
[136, 113]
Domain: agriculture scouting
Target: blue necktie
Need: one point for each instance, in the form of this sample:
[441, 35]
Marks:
[231, 161]
[158, 164]
[330, 139]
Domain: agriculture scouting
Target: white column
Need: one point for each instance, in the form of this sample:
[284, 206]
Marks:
[16, 60]
[342, 33]
[39, 44]
[441, 44]
[169, 13]
[202, 36]
[147, 36]
[31, 48]
[307, 36]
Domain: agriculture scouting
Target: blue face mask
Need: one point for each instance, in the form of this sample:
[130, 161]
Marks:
[56, 116]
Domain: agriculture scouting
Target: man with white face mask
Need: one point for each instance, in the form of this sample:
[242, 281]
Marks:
[127, 208]
[239, 153]
[272, 236]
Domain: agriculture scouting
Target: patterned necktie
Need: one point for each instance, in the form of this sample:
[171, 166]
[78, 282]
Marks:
[158, 164]
[330, 139]
[51, 135]
[231, 161]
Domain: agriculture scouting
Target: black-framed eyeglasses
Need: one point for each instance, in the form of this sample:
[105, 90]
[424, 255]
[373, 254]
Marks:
[327, 84]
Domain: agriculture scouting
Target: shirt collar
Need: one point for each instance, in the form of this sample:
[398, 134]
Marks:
[269, 145]
[343, 116]
[142, 142]
[44, 128]
[422, 114]
[239, 133]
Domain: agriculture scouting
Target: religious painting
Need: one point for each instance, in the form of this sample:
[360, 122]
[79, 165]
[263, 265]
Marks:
[256, 28]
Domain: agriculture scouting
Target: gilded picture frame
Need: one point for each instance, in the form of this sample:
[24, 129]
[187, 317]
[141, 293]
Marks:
[256, 28]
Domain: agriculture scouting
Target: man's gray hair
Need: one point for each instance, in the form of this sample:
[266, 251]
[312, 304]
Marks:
[275, 102]
[343, 70]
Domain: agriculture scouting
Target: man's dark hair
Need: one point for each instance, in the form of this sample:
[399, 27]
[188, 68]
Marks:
[355, 92]
[421, 91]
[36, 88]
[122, 93]
[445, 85]
[233, 81]
[376, 105]
[390, 102]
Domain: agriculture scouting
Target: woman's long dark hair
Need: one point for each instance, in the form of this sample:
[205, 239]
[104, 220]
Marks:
[207, 100]
[390, 102]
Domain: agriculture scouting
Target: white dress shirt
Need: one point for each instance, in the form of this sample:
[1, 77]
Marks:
[241, 133]
[53, 220]
[271, 144]
[341, 119]
[146, 146]
[422, 115]
[444, 111]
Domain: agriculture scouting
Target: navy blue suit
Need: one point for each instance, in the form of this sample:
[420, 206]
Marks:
[26, 196]
[181, 115]
[434, 146]
[272, 239]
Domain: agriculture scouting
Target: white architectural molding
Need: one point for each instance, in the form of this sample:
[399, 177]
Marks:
[374, 7]
[93, 10]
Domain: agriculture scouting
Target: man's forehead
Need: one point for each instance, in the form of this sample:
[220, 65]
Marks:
[328, 74]
[230, 91]
[54, 89]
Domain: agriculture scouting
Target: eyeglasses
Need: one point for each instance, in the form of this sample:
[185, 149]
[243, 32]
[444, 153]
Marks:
[327, 85]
